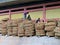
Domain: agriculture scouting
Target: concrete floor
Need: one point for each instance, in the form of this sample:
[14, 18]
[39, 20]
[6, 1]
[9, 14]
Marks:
[10, 40]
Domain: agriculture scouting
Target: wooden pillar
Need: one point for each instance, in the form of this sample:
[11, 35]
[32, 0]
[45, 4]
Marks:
[44, 13]
[10, 14]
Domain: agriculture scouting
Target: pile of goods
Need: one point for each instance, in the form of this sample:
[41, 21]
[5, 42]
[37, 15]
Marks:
[49, 27]
[3, 26]
[57, 29]
[12, 26]
[9, 28]
[39, 28]
[28, 27]
[15, 27]
[21, 30]
[0, 26]
[23, 27]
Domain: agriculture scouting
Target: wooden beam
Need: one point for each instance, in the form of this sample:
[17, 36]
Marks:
[31, 6]
[55, 7]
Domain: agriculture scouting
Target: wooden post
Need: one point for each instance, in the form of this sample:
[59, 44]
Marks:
[10, 14]
[44, 13]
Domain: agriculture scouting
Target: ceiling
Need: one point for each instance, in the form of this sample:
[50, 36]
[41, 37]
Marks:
[10, 2]
[19, 3]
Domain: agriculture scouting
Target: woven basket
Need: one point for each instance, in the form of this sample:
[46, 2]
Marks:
[50, 24]
[10, 32]
[50, 33]
[4, 31]
[57, 34]
[57, 30]
[39, 26]
[49, 28]
[40, 32]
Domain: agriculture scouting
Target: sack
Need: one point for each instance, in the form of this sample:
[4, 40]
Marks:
[50, 24]
[40, 32]
[0, 31]
[57, 30]
[58, 23]
[15, 31]
[20, 34]
[10, 32]
[14, 23]
[9, 23]
[21, 30]
[49, 28]
[57, 34]
[39, 26]
[4, 24]
[51, 20]
[29, 28]
[29, 32]
[5, 19]
[50, 33]
[4, 31]
[20, 20]
[27, 22]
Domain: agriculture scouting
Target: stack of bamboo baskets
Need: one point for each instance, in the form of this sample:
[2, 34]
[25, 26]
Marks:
[0, 27]
[57, 32]
[39, 28]
[9, 28]
[15, 27]
[49, 27]
[12, 26]
[57, 29]
[28, 27]
[22, 27]
[21, 30]
[4, 26]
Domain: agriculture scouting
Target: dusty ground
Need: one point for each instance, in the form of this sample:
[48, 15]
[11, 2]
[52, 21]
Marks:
[10, 40]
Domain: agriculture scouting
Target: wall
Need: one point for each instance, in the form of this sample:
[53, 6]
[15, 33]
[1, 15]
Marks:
[16, 16]
[54, 13]
[4, 16]
[34, 15]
